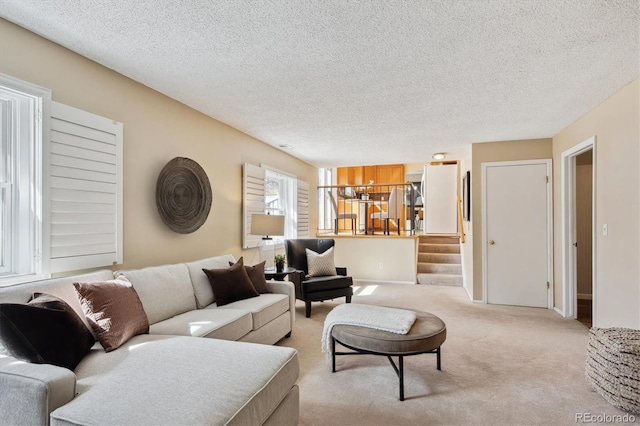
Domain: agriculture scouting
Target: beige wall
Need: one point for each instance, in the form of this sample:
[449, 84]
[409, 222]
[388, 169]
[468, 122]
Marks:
[615, 124]
[156, 129]
[532, 149]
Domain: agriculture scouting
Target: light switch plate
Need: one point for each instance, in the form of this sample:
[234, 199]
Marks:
[605, 229]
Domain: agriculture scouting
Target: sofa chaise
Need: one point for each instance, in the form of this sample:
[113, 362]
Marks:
[199, 364]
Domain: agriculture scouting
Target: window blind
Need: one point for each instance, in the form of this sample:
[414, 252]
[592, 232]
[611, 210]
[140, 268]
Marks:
[303, 209]
[252, 201]
[85, 182]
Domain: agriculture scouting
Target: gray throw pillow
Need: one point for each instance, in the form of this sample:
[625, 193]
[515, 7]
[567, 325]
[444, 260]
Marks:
[321, 264]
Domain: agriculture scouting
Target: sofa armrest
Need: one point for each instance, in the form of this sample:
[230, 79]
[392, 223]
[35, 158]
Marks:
[285, 287]
[30, 392]
[297, 278]
[341, 271]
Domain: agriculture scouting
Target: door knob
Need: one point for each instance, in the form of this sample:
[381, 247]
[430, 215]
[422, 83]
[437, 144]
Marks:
[491, 242]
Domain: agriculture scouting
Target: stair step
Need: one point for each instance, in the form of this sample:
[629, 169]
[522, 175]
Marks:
[439, 268]
[439, 279]
[424, 239]
[450, 258]
[438, 248]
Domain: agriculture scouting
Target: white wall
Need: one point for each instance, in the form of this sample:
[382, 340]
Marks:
[363, 257]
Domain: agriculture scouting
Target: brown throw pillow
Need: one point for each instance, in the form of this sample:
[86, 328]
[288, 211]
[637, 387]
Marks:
[113, 310]
[232, 284]
[256, 275]
[44, 331]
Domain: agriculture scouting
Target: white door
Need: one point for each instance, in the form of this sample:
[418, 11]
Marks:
[517, 232]
[440, 199]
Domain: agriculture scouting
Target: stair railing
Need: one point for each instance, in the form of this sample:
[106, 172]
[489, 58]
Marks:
[460, 223]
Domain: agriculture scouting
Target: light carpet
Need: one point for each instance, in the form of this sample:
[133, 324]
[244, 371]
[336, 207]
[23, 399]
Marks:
[501, 365]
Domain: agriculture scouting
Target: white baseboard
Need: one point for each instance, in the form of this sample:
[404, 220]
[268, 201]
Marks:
[470, 296]
[559, 311]
[355, 281]
[585, 296]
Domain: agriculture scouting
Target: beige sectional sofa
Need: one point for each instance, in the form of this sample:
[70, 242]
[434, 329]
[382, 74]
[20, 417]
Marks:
[199, 364]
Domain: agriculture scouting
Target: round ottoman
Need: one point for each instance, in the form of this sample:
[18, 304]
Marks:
[425, 336]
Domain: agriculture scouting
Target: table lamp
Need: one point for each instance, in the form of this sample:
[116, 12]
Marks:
[267, 225]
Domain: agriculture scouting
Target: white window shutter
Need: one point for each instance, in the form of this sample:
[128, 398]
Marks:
[303, 209]
[85, 180]
[252, 202]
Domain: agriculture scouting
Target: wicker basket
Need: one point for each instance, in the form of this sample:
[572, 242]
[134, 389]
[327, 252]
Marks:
[613, 366]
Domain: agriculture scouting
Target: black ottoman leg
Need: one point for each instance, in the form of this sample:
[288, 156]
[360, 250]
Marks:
[438, 357]
[401, 375]
[333, 355]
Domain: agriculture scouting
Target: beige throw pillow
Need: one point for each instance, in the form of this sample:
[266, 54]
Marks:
[114, 311]
[321, 264]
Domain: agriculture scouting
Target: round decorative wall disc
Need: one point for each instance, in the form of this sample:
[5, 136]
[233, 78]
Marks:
[183, 195]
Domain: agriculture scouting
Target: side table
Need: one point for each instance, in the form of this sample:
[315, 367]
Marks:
[272, 274]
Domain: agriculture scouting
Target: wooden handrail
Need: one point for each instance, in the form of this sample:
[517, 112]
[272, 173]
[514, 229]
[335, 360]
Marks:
[460, 223]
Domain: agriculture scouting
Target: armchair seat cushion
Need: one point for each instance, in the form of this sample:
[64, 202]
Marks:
[313, 284]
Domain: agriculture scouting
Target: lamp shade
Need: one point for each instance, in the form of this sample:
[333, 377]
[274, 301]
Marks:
[267, 224]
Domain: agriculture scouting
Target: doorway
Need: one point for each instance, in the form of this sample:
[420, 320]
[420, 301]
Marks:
[578, 236]
[517, 249]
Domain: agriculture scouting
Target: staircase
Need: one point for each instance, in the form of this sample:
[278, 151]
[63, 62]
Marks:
[439, 261]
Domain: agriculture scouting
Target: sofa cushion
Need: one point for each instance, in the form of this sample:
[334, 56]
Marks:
[228, 324]
[263, 309]
[164, 291]
[199, 280]
[46, 330]
[231, 284]
[184, 380]
[114, 311]
[320, 264]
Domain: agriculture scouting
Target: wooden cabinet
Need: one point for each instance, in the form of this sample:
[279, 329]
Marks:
[393, 173]
[362, 175]
[369, 174]
[345, 176]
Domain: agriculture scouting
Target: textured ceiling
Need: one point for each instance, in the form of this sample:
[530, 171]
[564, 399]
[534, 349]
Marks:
[361, 82]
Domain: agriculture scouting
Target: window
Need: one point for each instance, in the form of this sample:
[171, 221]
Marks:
[21, 133]
[60, 185]
[266, 190]
[280, 198]
[325, 178]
